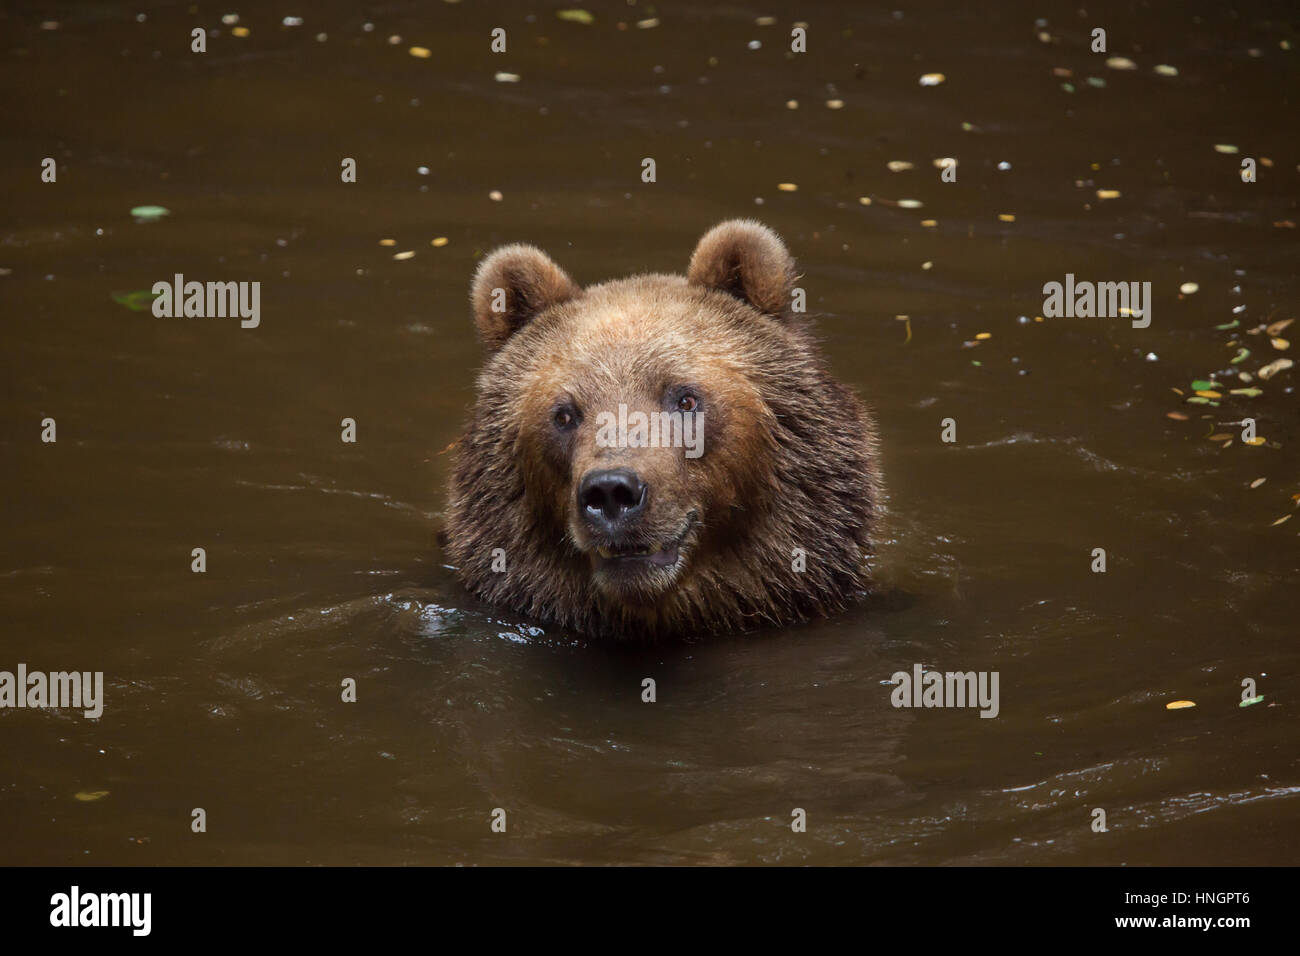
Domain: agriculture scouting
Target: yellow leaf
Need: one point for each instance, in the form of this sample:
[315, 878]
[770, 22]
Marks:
[1273, 367]
[85, 796]
[1180, 704]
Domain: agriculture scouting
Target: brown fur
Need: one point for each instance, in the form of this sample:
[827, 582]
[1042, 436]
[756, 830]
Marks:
[789, 454]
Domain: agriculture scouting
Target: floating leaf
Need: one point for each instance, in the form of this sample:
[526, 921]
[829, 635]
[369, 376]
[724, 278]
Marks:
[136, 301]
[1248, 392]
[1188, 288]
[1241, 356]
[1198, 400]
[1280, 344]
[1220, 436]
[1257, 482]
[1280, 520]
[86, 796]
[931, 79]
[1272, 368]
[1277, 327]
[576, 16]
[1201, 384]
[1228, 325]
[1251, 701]
[1180, 704]
[1254, 442]
[1176, 416]
[1207, 393]
[150, 213]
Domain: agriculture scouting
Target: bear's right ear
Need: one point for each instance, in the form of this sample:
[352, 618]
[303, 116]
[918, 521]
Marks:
[511, 287]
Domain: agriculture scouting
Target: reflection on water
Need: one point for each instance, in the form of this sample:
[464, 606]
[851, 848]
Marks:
[224, 688]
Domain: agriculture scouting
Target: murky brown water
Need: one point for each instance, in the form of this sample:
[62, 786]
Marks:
[223, 688]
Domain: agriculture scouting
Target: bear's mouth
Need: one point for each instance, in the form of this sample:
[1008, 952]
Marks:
[665, 555]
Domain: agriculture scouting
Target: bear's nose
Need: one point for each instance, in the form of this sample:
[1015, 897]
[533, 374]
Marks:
[611, 497]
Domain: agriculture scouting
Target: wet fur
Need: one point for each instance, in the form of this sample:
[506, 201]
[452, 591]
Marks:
[790, 454]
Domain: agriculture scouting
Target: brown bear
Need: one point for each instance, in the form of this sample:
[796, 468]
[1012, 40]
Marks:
[754, 501]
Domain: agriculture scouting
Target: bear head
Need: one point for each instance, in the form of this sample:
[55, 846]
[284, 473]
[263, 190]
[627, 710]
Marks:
[660, 454]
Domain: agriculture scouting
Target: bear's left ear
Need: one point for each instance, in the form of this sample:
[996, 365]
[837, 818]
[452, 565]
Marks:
[511, 287]
[747, 260]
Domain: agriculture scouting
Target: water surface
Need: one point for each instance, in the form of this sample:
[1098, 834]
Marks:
[223, 688]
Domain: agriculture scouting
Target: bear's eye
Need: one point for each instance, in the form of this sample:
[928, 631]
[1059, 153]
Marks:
[565, 417]
[688, 403]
